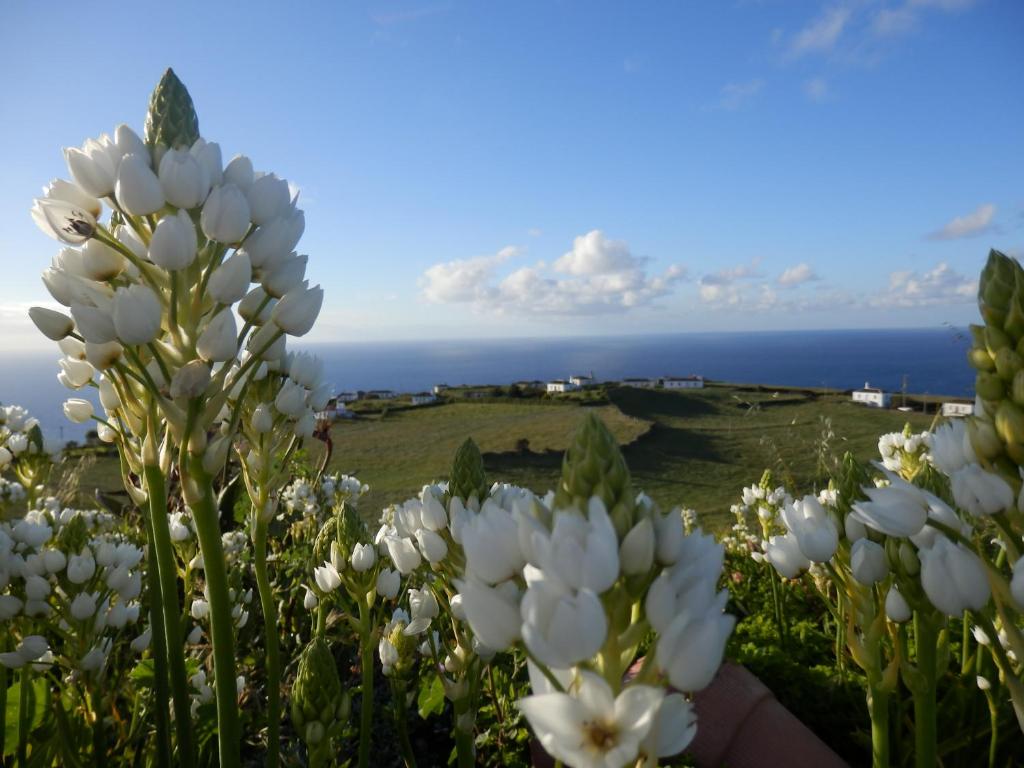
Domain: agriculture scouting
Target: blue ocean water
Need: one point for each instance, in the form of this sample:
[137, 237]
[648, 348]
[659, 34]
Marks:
[933, 360]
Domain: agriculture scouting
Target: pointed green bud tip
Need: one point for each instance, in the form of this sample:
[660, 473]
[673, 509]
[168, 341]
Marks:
[316, 695]
[767, 480]
[322, 543]
[468, 477]
[351, 529]
[593, 465]
[171, 121]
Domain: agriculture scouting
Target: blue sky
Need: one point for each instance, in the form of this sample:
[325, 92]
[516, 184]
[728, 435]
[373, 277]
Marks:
[562, 168]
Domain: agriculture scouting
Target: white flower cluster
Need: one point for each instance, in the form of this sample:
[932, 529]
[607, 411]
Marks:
[65, 578]
[902, 450]
[766, 504]
[558, 581]
[302, 497]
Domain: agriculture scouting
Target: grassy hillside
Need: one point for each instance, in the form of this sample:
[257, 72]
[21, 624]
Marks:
[695, 448]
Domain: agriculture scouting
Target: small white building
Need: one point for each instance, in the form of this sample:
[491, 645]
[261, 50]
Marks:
[561, 385]
[334, 410]
[423, 398]
[347, 397]
[439, 388]
[872, 396]
[582, 380]
[640, 383]
[683, 382]
[956, 408]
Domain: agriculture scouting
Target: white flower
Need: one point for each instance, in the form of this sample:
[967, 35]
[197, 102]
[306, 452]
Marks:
[562, 628]
[174, 242]
[899, 509]
[184, 180]
[268, 198]
[66, 191]
[492, 612]
[327, 577]
[93, 166]
[136, 314]
[298, 309]
[239, 171]
[403, 554]
[591, 727]
[83, 606]
[953, 577]
[637, 550]
[10, 606]
[670, 537]
[423, 606]
[815, 532]
[1017, 583]
[785, 555]
[276, 238]
[432, 546]
[868, 562]
[78, 410]
[200, 609]
[583, 552]
[141, 643]
[137, 188]
[77, 373]
[491, 544]
[980, 492]
[896, 607]
[94, 324]
[388, 583]
[230, 280]
[433, 514]
[190, 380]
[673, 729]
[208, 155]
[363, 557]
[32, 647]
[225, 215]
[103, 356]
[53, 325]
[81, 567]
[67, 222]
[218, 342]
[388, 654]
[950, 447]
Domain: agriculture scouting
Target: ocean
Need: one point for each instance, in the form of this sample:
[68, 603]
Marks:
[932, 360]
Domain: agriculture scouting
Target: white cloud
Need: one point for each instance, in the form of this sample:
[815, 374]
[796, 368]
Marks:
[464, 279]
[816, 89]
[733, 96]
[801, 273]
[729, 275]
[893, 21]
[940, 285]
[821, 35]
[597, 276]
[974, 223]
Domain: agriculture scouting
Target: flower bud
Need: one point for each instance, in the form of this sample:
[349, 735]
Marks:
[269, 197]
[138, 189]
[78, 410]
[218, 342]
[190, 380]
[230, 280]
[297, 311]
[100, 261]
[225, 216]
[389, 582]
[868, 562]
[174, 242]
[53, 325]
[363, 557]
[93, 166]
[239, 172]
[256, 307]
[137, 314]
[896, 607]
[184, 181]
[276, 238]
[207, 153]
[102, 356]
[286, 275]
[305, 425]
[636, 553]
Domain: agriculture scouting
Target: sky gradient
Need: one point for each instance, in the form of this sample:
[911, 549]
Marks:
[565, 168]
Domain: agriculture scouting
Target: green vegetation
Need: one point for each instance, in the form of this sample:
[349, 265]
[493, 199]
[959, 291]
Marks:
[696, 448]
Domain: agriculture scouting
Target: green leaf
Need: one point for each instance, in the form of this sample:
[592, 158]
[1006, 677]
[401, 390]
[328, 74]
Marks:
[37, 699]
[144, 673]
[431, 697]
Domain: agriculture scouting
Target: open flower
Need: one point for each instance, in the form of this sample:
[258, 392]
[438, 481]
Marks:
[591, 727]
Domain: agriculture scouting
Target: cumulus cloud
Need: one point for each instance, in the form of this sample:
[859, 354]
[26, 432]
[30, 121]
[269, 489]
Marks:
[734, 96]
[801, 273]
[596, 276]
[822, 34]
[974, 223]
[940, 285]
[889, 22]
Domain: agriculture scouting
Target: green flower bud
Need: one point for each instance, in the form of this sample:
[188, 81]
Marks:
[468, 477]
[1009, 422]
[1016, 389]
[989, 386]
[1008, 362]
[351, 529]
[996, 339]
[593, 465]
[984, 440]
[980, 359]
[322, 544]
[73, 535]
[171, 121]
[316, 698]
[996, 287]
[908, 559]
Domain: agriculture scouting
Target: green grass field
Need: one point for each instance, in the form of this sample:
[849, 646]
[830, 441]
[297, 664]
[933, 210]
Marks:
[696, 448]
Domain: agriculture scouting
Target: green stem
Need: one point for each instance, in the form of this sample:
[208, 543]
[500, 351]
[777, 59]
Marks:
[878, 707]
[167, 596]
[925, 730]
[366, 662]
[993, 742]
[204, 511]
[464, 747]
[24, 721]
[99, 751]
[271, 640]
[161, 687]
[398, 698]
[4, 647]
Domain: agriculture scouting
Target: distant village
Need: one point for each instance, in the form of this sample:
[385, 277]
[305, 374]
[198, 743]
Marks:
[337, 408]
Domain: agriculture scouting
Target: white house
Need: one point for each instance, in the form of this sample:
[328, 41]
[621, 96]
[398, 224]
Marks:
[560, 385]
[872, 396]
[439, 388]
[640, 383]
[957, 408]
[347, 397]
[582, 380]
[683, 382]
[423, 398]
[334, 410]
